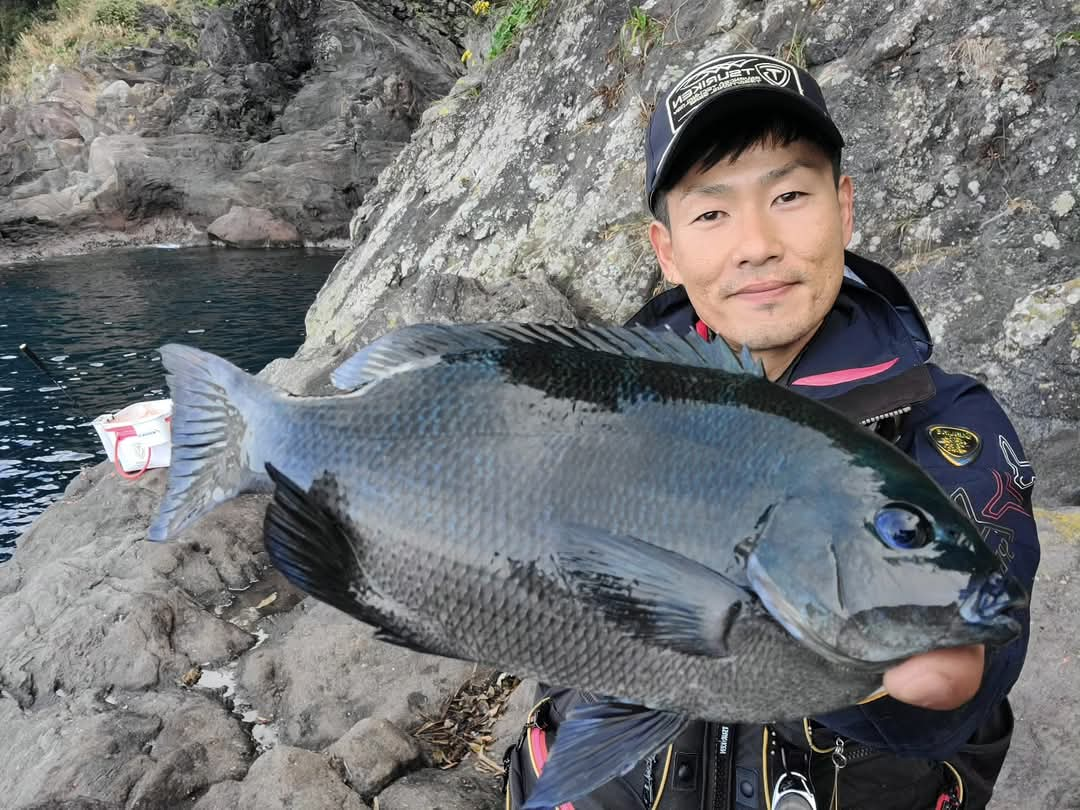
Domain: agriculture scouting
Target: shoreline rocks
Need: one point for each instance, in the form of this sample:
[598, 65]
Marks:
[293, 108]
[108, 639]
[245, 227]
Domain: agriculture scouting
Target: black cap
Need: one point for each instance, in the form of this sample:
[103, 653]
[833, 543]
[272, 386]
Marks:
[716, 92]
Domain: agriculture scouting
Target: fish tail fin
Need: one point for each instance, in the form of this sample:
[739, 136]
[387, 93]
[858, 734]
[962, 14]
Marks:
[212, 399]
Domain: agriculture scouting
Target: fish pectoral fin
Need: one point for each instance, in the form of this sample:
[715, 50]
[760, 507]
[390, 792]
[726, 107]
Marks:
[655, 594]
[597, 743]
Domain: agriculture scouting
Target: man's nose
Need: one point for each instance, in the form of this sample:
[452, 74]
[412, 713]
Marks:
[758, 240]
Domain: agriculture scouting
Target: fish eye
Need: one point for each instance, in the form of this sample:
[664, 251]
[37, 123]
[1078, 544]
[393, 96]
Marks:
[902, 527]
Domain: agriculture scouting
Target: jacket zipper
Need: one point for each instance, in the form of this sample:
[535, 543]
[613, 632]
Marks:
[858, 752]
[887, 415]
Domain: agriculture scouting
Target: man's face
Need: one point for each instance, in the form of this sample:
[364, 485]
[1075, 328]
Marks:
[758, 242]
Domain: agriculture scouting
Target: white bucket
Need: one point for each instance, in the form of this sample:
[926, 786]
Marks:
[138, 437]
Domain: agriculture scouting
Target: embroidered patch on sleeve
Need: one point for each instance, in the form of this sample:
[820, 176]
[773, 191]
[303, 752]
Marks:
[1022, 475]
[958, 445]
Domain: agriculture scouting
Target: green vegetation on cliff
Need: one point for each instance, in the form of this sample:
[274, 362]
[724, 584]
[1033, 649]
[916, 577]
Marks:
[519, 14]
[15, 17]
[35, 34]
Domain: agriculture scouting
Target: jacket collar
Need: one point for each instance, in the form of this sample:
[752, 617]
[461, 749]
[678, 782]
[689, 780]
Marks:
[873, 331]
[873, 334]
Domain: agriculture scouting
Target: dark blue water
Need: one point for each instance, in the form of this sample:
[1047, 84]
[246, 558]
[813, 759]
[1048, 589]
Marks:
[96, 321]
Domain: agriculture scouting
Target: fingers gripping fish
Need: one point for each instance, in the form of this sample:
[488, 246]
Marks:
[638, 514]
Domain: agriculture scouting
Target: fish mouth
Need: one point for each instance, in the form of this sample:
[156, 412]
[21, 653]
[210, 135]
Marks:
[987, 599]
[793, 620]
[988, 602]
[984, 609]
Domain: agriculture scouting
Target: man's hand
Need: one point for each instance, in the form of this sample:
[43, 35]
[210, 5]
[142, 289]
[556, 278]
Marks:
[942, 679]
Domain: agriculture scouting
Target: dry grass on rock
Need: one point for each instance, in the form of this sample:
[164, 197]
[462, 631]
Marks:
[464, 724]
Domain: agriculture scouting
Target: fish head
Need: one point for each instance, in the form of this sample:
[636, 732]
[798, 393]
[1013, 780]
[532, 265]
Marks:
[869, 580]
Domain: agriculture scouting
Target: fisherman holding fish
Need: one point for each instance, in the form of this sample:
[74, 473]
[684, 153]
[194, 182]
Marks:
[747, 598]
[752, 216]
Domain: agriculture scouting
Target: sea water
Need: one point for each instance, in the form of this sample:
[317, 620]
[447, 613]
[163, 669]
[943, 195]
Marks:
[97, 321]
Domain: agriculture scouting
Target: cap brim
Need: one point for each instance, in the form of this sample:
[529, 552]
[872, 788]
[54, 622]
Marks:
[728, 108]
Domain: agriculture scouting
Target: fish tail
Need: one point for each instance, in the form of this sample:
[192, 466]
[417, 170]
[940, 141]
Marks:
[212, 401]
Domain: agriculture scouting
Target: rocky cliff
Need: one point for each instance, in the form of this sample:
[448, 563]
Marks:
[962, 130]
[191, 675]
[281, 113]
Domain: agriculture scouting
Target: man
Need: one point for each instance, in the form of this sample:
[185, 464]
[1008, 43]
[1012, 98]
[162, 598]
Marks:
[752, 220]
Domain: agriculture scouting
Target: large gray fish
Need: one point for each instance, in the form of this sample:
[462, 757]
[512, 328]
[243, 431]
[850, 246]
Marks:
[633, 513]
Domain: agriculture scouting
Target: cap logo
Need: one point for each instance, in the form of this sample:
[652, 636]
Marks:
[722, 74]
[775, 74]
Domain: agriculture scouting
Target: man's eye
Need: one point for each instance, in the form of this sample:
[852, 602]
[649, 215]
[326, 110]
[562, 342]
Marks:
[710, 216]
[790, 196]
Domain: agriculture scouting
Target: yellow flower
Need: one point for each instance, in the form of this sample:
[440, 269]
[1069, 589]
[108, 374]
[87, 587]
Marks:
[481, 8]
[465, 57]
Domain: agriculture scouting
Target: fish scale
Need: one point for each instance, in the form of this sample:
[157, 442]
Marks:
[631, 514]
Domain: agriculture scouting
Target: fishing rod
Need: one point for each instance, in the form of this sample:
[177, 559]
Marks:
[33, 358]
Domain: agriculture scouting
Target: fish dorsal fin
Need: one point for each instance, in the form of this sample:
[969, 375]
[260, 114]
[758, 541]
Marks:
[411, 346]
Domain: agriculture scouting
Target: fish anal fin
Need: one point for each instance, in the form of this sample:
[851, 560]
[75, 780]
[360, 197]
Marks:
[597, 743]
[309, 543]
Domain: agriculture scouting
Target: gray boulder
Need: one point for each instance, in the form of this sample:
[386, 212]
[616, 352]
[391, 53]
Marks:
[253, 227]
[374, 753]
[1045, 700]
[136, 750]
[284, 779]
[142, 675]
[328, 672]
[435, 789]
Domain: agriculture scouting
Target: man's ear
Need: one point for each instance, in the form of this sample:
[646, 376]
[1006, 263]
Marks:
[845, 195]
[660, 236]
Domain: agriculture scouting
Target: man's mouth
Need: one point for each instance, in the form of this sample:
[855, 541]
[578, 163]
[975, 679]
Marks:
[761, 292]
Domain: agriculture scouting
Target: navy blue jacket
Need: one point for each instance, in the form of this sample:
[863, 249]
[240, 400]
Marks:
[875, 333]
